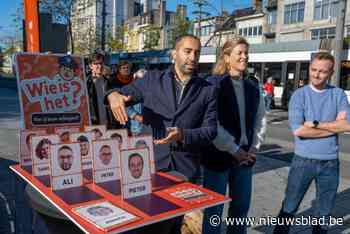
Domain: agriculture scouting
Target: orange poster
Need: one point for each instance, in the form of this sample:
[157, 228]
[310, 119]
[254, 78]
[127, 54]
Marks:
[52, 91]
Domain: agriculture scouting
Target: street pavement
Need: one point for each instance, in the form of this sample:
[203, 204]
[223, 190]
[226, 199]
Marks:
[270, 176]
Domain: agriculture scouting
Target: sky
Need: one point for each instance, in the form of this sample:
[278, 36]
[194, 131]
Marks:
[8, 8]
[228, 5]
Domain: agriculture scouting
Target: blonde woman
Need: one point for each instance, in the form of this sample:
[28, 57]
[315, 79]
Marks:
[241, 126]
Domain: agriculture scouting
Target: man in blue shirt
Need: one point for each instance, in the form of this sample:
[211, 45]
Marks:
[317, 113]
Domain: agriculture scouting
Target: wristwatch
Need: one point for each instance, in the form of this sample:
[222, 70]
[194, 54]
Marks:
[315, 122]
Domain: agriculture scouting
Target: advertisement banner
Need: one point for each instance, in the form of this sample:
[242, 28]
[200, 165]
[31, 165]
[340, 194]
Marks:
[52, 91]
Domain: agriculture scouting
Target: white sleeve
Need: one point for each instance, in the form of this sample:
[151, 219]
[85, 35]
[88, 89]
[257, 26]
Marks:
[260, 124]
[224, 141]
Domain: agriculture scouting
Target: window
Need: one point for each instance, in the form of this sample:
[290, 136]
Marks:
[324, 9]
[250, 31]
[272, 17]
[260, 30]
[245, 32]
[322, 33]
[348, 31]
[255, 31]
[241, 31]
[294, 13]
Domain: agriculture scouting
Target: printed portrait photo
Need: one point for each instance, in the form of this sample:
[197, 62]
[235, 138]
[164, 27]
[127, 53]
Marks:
[26, 144]
[106, 154]
[85, 141]
[135, 165]
[41, 147]
[121, 135]
[65, 132]
[65, 159]
[98, 131]
[142, 142]
[99, 211]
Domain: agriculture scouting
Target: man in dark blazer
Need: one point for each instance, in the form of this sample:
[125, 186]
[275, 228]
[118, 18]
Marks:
[178, 105]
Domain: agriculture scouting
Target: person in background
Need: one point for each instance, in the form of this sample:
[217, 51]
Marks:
[135, 112]
[269, 93]
[123, 75]
[97, 86]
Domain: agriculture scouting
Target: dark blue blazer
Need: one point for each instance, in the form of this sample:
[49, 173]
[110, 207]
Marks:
[229, 118]
[196, 115]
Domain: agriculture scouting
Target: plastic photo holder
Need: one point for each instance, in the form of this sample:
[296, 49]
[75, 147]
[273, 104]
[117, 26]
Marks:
[85, 141]
[144, 141]
[106, 161]
[119, 134]
[41, 151]
[65, 132]
[66, 170]
[25, 158]
[99, 131]
[136, 174]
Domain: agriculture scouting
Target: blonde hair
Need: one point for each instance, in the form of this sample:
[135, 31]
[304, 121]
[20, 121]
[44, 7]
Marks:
[221, 67]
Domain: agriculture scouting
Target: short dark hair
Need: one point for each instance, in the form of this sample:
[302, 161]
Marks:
[133, 156]
[122, 63]
[65, 147]
[180, 38]
[82, 138]
[323, 56]
[96, 56]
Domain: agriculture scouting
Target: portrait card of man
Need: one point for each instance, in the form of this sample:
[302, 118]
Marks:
[41, 151]
[85, 141]
[106, 160]
[136, 174]
[119, 134]
[144, 141]
[99, 131]
[105, 215]
[25, 145]
[66, 169]
[65, 132]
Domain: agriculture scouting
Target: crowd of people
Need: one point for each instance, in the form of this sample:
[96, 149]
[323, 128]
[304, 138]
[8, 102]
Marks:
[210, 130]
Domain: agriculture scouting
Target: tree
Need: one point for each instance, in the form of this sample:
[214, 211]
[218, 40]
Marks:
[116, 43]
[151, 35]
[182, 27]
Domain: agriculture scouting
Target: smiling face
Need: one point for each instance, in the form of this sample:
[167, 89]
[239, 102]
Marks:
[320, 72]
[45, 150]
[136, 165]
[237, 60]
